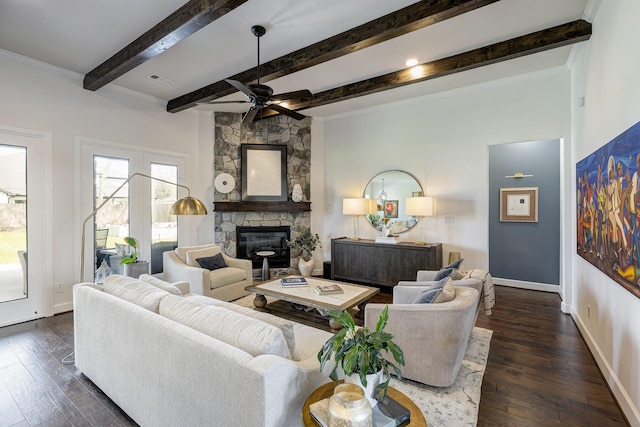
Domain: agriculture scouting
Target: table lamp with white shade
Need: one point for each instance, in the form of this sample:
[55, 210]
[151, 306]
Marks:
[356, 207]
[421, 207]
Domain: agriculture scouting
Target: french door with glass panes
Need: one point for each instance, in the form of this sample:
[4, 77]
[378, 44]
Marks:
[25, 225]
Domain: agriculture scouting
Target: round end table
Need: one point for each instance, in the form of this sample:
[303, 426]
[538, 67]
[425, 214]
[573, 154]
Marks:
[266, 273]
[326, 390]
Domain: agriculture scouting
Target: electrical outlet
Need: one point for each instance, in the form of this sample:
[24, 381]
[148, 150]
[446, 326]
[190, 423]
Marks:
[60, 288]
[589, 311]
[449, 219]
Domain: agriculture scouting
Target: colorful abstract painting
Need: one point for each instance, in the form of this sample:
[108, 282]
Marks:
[608, 203]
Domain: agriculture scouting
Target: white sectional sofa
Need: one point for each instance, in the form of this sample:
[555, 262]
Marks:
[169, 359]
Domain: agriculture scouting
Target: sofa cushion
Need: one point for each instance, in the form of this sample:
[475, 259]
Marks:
[192, 256]
[284, 325]
[226, 276]
[181, 252]
[165, 286]
[134, 291]
[250, 335]
[440, 291]
[213, 262]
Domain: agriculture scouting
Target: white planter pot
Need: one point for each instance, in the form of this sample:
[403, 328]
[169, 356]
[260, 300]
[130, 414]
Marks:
[137, 268]
[372, 382]
[305, 267]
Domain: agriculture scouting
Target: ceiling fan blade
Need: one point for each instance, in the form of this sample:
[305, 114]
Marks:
[286, 111]
[250, 115]
[221, 102]
[297, 94]
[242, 88]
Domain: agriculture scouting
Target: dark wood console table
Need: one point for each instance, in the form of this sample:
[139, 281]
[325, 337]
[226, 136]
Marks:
[365, 261]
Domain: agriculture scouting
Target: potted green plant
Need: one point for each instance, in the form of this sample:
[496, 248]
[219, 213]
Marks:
[359, 353]
[132, 266]
[305, 243]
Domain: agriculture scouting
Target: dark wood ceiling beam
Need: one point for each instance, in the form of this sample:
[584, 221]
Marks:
[540, 41]
[185, 21]
[403, 21]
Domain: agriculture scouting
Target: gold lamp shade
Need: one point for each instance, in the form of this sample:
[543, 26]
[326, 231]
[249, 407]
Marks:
[188, 206]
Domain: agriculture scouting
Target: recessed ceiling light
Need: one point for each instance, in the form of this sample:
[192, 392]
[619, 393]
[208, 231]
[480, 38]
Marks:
[411, 62]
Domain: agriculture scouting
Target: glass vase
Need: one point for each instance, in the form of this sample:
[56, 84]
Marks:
[349, 408]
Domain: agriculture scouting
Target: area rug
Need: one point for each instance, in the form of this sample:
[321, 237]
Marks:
[454, 406]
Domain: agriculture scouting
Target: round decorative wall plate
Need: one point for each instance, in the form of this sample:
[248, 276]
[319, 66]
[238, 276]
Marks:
[224, 183]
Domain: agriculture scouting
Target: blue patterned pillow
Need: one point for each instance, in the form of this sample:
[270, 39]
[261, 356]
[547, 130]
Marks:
[456, 264]
[429, 295]
[442, 273]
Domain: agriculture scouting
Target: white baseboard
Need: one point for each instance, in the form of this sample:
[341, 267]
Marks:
[534, 286]
[63, 308]
[626, 403]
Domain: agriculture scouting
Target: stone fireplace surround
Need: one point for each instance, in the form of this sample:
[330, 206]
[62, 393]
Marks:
[230, 133]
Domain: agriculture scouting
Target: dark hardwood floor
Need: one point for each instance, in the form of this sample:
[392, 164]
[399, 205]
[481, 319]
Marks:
[539, 373]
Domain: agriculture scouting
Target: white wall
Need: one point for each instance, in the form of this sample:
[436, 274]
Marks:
[43, 98]
[442, 140]
[606, 75]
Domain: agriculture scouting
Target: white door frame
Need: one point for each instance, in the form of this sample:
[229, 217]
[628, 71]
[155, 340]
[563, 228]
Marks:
[39, 301]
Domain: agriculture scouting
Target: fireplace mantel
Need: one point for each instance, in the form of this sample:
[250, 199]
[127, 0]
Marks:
[262, 206]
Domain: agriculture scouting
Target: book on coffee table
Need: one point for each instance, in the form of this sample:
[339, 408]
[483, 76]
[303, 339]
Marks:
[328, 289]
[387, 413]
[293, 282]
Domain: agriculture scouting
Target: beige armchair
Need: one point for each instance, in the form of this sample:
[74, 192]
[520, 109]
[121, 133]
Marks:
[433, 337]
[225, 283]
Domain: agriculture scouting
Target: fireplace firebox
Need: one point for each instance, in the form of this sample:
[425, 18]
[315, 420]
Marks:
[250, 240]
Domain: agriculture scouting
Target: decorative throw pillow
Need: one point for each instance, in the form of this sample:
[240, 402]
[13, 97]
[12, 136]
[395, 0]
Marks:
[456, 264]
[448, 292]
[442, 273]
[165, 286]
[212, 263]
[431, 293]
[457, 274]
[192, 256]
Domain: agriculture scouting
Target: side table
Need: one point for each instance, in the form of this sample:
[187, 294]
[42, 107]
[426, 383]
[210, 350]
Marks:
[266, 273]
[326, 390]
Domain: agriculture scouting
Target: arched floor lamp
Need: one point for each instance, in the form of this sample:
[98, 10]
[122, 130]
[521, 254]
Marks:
[185, 206]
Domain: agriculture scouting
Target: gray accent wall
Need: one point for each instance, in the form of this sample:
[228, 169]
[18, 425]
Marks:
[520, 250]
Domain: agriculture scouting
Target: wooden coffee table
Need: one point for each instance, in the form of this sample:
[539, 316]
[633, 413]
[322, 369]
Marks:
[326, 390]
[354, 295]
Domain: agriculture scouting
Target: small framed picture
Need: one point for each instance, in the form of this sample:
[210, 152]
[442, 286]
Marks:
[391, 209]
[519, 204]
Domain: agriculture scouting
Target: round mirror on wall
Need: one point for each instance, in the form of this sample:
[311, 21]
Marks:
[390, 189]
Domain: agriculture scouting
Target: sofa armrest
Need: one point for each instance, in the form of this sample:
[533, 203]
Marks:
[424, 275]
[176, 271]
[244, 264]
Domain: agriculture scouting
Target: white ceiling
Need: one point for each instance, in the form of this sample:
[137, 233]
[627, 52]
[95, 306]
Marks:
[79, 35]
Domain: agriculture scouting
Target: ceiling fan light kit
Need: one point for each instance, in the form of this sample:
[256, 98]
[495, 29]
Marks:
[261, 96]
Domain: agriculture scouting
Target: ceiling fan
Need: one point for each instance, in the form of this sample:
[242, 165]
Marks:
[261, 96]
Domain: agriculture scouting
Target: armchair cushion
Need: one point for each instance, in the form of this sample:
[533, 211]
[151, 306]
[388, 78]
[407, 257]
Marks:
[226, 276]
[213, 262]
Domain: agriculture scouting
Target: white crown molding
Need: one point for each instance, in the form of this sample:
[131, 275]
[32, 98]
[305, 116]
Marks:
[25, 60]
[591, 10]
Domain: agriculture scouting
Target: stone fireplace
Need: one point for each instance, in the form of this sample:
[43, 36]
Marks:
[230, 133]
[250, 240]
